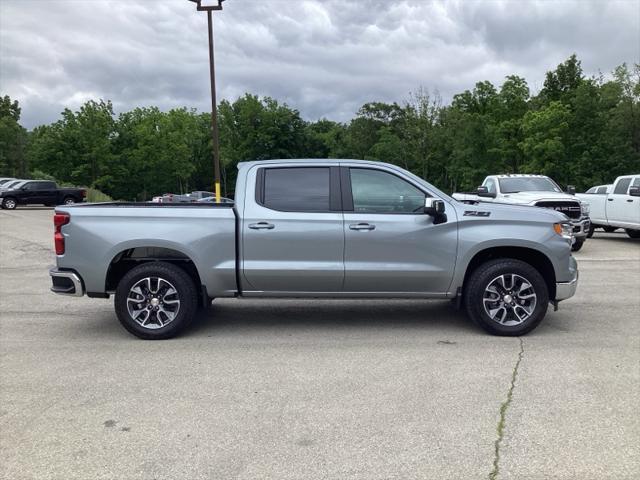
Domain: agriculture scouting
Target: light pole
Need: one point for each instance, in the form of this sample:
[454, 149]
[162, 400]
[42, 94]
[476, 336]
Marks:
[209, 6]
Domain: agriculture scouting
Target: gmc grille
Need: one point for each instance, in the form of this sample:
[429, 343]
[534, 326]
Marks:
[570, 209]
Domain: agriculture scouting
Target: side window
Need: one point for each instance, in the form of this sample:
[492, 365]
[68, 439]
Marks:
[602, 190]
[591, 190]
[298, 189]
[375, 191]
[47, 186]
[622, 186]
[31, 186]
[491, 185]
[636, 182]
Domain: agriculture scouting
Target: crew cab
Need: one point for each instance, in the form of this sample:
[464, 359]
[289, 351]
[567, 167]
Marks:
[40, 192]
[618, 207]
[534, 190]
[319, 229]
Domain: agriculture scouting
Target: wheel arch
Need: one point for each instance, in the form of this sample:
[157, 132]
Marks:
[531, 256]
[129, 258]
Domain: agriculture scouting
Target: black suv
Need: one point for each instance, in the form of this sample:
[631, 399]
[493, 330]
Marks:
[40, 192]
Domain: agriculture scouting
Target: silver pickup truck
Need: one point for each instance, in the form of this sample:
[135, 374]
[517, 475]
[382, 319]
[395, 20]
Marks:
[316, 228]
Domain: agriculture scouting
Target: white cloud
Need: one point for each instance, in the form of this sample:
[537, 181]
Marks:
[325, 58]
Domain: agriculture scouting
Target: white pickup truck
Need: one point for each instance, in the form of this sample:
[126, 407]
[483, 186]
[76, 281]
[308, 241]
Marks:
[537, 191]
[617, 207]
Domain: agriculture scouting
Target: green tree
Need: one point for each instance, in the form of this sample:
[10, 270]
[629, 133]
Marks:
[12, 139]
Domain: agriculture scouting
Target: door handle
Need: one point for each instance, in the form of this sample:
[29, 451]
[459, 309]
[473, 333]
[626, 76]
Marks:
[261, 226]
[630, 200]
[362, 226]
[610, 199]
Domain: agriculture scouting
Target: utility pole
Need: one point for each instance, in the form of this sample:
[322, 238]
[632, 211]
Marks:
[210, 6]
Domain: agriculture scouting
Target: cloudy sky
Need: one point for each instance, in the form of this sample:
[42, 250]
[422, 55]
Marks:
[323, 57]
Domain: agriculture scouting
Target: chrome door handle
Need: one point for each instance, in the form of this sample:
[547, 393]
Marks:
[261, 226]
[362, 226]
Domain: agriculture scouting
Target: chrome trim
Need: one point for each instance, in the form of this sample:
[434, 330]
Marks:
[566, 290]
[75, 279]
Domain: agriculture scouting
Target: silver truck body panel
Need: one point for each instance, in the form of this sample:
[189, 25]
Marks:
[96, 235]
[303, 254]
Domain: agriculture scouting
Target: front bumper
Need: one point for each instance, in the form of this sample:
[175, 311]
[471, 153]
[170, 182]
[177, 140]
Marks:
[581, 227]
[66, 282]
[566, 290]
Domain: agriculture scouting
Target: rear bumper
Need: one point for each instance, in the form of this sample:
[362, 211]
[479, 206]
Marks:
[66, 282]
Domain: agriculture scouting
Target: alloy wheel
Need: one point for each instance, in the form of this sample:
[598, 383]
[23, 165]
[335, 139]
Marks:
[509, 299]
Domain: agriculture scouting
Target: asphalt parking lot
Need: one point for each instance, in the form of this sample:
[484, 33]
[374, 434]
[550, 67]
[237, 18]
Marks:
[317, 389]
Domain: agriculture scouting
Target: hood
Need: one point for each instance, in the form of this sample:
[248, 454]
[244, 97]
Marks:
[503, 211]
[533, 197]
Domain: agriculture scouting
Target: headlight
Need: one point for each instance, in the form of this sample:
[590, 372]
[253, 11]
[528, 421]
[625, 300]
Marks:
[586, 209]
[565, 230]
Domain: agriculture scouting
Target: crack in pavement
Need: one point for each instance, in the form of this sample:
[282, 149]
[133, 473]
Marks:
[503, 414]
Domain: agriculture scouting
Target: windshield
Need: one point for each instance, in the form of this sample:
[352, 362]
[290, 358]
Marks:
[528, 184]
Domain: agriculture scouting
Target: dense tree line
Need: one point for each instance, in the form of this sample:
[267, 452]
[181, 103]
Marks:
[578, 130]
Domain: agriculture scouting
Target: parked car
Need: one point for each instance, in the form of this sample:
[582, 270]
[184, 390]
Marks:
[534, 190]
[314, 228]
[618, 208]
[213, 200]
[600, 189]
[40, 192]
[182, 198]
[3, 181]
[12, 184]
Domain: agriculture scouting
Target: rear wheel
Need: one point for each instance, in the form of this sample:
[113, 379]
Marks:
[69, 201]
[609, 229]
[633, 233]
[9, 203]
[156, 301]
[577, 245]
[506, 297]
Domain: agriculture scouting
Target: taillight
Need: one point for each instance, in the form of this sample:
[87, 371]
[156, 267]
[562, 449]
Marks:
[84, 194]
[60, 219]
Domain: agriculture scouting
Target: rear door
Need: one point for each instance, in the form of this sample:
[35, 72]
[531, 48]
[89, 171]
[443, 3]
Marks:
[390, 244]
[47, 193]
[292, 230]
[622, 208]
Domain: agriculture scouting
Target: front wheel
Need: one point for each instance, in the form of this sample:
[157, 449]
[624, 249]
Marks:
[9, 203]
[609, 229]
[156, 301]
[577, 245]
[506, 297]
[633, 233]
[590, 232]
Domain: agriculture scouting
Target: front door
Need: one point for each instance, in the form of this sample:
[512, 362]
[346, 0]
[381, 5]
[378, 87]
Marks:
[391, 245]
[292, 231]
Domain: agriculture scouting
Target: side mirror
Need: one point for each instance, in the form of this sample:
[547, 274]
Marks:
[634, 191]
[483, 191]
[433, 206]
[571, 189]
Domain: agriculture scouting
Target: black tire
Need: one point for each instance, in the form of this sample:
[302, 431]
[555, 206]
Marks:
[577, 245]
[9, 203]
[186, 294]
[590, 232]
[68, 201]
[609, 229]
[633, 233]
[484, 275]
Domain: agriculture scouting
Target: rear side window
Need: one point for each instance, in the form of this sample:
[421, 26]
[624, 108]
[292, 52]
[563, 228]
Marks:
[46, 185]
[303, 189]
[622, 186]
